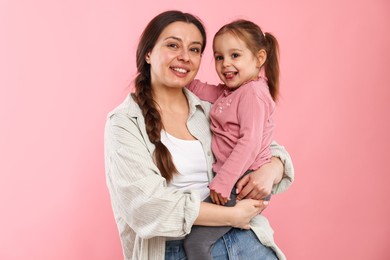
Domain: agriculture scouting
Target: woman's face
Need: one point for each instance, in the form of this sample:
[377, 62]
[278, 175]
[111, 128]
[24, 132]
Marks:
[175, 58]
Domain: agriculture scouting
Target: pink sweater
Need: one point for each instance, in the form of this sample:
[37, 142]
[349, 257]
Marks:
[242, 127]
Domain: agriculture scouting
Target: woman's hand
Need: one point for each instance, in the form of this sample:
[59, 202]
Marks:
[245, 210]
[258, 184]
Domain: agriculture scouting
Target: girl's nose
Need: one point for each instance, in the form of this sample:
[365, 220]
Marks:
[226, 63]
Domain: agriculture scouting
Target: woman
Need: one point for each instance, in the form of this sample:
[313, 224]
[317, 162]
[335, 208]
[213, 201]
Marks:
[158, 156]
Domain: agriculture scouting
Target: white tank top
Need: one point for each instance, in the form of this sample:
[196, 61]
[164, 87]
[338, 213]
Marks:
[190, 161]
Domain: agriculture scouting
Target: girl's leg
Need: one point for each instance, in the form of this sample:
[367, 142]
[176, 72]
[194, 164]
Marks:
[240, 244]
[237, 244]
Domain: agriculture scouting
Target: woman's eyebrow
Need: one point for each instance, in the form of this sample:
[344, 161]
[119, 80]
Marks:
[180, 40]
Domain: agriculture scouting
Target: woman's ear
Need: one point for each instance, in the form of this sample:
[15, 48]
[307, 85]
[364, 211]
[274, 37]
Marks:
[147, 58]
[261, 57]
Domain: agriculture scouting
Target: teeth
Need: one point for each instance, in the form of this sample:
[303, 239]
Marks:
[180, 70]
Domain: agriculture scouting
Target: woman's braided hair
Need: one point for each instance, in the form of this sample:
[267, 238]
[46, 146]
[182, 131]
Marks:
[143, 89]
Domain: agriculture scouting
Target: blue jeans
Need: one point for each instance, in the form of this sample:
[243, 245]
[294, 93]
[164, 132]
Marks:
[237, 244]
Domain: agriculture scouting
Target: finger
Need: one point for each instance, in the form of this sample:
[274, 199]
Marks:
[226, 200]
[221, 200]
[263, 206]
[247, 189]
[241, 183]
[253, 194]
[218, 200]
[258, 195]
[212, 196]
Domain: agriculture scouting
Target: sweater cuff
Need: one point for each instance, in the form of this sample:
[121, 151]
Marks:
[288, 175]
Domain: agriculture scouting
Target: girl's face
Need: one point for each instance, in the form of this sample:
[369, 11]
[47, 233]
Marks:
[175, 58]
[234, 62]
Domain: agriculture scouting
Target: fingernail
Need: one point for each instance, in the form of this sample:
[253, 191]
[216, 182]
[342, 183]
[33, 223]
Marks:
[265, 202]
[236, 191]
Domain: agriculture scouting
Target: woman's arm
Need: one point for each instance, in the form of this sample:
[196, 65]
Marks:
[140, 196]
[238, 216]
[275, 177]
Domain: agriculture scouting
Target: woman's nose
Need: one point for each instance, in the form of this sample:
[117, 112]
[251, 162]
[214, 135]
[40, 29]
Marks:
[184, 55]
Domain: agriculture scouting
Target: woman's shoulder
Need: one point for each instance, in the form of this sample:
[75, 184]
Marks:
[195, 102]
[128, 107]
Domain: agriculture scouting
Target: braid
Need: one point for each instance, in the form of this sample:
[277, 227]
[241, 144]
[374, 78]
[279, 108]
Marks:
[143, 88]
[153, 123]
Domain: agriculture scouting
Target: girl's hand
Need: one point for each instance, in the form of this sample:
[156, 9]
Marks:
[245, 210]
[258, 184]
[217, 198]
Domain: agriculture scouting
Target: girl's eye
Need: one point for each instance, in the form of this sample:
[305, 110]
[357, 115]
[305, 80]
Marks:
[218, 57]
[235, 55]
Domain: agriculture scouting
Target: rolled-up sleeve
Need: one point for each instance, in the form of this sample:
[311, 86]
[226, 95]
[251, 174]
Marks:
[139, 194]
[288, 176]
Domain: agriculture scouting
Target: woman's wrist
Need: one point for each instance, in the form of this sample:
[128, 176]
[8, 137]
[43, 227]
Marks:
[214, 215]
[277, 169]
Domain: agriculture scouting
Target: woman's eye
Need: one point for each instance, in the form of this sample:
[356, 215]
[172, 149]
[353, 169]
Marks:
[218, 58]
[235, 55]
[196, 50]
[173, 45]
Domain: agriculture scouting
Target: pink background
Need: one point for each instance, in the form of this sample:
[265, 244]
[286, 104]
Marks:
[65, 64]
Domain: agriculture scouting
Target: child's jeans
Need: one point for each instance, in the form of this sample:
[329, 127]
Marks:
[198, 244]
[237, 244]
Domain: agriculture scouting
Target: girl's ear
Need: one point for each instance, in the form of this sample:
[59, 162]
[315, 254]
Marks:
[261, 57]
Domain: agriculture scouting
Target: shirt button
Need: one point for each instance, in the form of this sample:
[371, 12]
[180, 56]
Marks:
[209, 153]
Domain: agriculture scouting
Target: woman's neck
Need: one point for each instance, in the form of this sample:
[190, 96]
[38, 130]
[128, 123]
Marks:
[172, 99]
[174, 109]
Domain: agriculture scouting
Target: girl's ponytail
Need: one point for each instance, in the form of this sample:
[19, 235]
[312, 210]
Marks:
[256, 40]
[272, 70]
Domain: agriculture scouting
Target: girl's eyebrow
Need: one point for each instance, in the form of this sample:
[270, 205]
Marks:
[238, 50]
[231, 50]
[180, 40]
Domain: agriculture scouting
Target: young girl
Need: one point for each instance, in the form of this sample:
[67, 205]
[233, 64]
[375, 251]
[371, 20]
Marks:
[246, 60]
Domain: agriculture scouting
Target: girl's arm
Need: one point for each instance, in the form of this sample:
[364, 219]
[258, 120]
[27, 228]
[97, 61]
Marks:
[254, 137]
[204, 91]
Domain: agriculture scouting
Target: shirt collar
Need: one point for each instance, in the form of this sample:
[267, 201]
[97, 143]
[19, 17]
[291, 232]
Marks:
[135, 111]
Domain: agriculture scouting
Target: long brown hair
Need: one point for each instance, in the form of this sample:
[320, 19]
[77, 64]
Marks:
[256, 40]
[143, 89]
